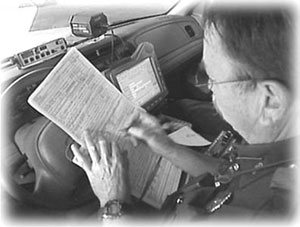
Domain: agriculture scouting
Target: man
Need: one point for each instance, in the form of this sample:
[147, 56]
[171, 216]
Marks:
[247, 56]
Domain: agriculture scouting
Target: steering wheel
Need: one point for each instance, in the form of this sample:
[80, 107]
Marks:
[35, 168]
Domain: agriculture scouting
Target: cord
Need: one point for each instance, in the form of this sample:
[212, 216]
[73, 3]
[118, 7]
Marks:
[112, 46]
[113, 35]
[80, 41]
[118, 37]
[112, 42]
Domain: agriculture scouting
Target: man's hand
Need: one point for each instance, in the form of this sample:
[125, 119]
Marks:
[106, 167]
[145, 127]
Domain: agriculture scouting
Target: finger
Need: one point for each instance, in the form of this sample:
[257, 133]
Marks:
[149, 120]
[128, 136]
[167, 126]
[138, 132]
[171, 126]
[134, 141]
[133, 119]
[115, 152]
[119, 156]
[104, 149]
[125, 158]
[91, 147]
[79, 158]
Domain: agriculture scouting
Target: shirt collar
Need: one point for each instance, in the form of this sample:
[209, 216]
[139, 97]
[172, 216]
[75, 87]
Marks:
[269, 152]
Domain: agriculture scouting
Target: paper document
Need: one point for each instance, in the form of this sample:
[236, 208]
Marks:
[152, 178]
[76, 97]
[187, 137]
[165, 182]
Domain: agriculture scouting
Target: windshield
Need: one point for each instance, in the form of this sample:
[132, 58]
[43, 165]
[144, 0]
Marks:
[32, 22]
[56, 14]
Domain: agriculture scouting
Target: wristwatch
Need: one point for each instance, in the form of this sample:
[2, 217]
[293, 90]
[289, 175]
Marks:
[112, 209]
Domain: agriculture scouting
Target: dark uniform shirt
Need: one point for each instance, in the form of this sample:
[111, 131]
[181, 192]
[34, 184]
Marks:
[260, 187]
[265, 182]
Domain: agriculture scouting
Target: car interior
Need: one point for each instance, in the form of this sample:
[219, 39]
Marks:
[39, 179]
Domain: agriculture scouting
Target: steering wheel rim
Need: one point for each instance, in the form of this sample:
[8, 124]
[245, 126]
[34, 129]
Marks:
[12, 118]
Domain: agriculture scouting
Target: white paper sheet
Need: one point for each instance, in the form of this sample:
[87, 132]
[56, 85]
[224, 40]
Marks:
[187, 137]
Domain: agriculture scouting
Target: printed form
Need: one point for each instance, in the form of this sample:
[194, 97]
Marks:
[76, 96]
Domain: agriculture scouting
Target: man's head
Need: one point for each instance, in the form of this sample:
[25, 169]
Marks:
[252, 49]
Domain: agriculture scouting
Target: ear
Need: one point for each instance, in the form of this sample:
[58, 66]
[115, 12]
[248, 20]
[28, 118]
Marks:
[274, 102]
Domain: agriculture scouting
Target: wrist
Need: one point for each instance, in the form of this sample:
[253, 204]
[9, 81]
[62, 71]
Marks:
[164, 146]
[119, 190]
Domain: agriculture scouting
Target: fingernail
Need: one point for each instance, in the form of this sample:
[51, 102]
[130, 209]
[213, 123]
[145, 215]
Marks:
[73, 159]
[69, 153]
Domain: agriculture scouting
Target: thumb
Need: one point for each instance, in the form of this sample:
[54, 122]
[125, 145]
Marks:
[137, 132]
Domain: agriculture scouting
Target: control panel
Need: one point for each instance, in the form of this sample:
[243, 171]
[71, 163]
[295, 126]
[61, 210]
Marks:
[41, 53]
[222, 144]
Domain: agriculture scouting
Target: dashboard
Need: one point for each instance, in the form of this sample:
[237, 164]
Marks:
[176, 40]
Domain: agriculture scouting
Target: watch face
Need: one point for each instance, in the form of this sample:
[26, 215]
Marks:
[112, 209]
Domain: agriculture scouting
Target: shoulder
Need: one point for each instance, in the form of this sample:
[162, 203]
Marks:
[284, 178]
[283, 187]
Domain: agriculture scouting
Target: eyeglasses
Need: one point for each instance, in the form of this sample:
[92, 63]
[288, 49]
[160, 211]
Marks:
[210, 82]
